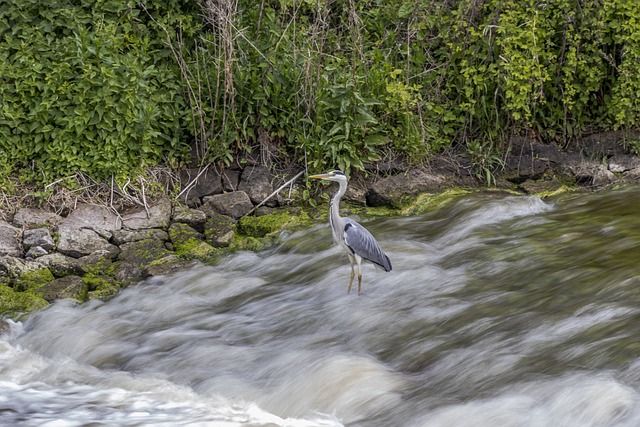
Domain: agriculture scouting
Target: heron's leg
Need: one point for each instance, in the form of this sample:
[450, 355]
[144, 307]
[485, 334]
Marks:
[352, 273]
[359, 260]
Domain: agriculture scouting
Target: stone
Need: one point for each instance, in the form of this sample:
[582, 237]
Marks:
[125, 236]
[61, 265]
[188, 243]
[143, 252]
[31, 218]
[9, 239]
[236, 204]
[158, 216]
[390, 190]
[100, 286]
[5, 327]
[256, 182]
[219, 230]
[128, 273]
[35, 252]
[64, 287]
[194, 218]
[33, 279]
[169, 264]
[19, 302]
[206, 184]
[623, 163]
[230, 180]
[84, 241]
[38, 237]
[100, 219]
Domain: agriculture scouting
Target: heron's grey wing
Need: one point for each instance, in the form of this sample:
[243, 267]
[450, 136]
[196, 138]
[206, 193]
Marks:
[362, 243]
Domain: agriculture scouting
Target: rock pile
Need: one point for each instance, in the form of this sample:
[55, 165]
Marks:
[94, 251]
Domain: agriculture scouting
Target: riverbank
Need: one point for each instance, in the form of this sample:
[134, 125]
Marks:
[89, 251]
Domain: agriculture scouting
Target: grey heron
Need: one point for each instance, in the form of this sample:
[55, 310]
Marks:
[351, 236]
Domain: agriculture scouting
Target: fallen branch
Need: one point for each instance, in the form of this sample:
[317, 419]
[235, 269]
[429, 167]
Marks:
[275, 192]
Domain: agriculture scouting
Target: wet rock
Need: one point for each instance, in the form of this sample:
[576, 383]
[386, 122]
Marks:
[125, 236]
[64, 287]
[19, 302]
[236, 204]
[9, 239]
[31, 218]
[537, 187]
[206, 184]
[169, 264]
[100, 286]
[143, 252]
[129, 273]
[219, 230]
[192, 217]
[188, 243]
[390, 190]
[38, 237]
[256, 182]
[61, 265]
[158, 216]
[5, 328]
[84, 241]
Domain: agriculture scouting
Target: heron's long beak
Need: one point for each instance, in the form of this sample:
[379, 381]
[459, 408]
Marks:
[321, 176]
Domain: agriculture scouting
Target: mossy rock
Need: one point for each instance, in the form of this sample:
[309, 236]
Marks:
[261, 226]
[188, 243]
[13, 303]
[33, 279]
[64, 287]
[431, 202]
[143, 252]
[100, 286]
[167, 265]
[219, 230]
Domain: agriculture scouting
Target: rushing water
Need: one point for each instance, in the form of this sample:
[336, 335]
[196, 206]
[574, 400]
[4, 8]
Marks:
[500, 311]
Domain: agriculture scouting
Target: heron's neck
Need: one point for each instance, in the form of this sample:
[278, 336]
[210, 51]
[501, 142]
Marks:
[334, 214]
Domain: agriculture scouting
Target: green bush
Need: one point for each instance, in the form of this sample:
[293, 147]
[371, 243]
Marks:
[86, 87]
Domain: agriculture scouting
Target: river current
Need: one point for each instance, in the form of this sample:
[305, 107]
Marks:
[500, 311]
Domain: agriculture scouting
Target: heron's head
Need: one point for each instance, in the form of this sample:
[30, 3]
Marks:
[335, 175]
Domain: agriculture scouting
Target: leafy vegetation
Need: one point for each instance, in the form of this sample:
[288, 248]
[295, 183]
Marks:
[109, 87]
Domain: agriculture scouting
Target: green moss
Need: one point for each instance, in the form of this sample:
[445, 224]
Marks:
[100, 286]
[194, 249]
[431, 202]
[13, 303]
[34, 279]
[553, 193]
[249, 243]
[261, 226]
